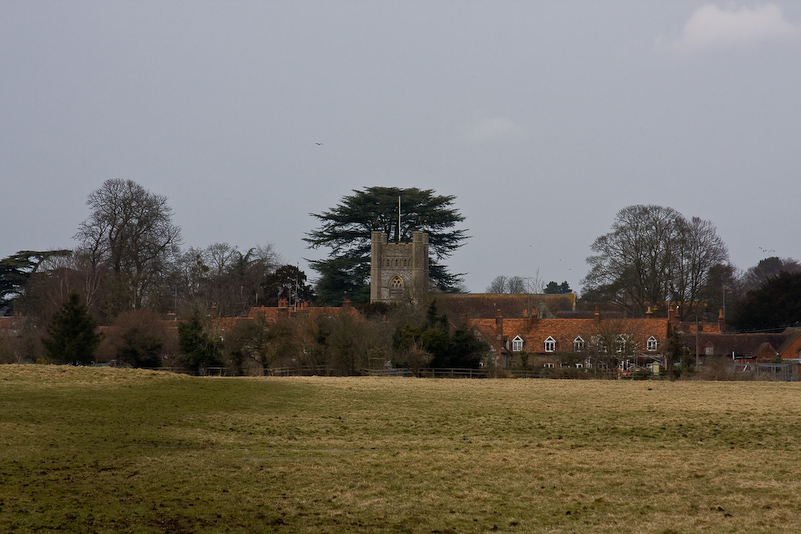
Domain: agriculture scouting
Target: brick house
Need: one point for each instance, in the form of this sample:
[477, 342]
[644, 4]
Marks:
[627, 344]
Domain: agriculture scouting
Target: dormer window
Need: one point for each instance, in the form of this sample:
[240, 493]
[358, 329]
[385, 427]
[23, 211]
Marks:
[652, 344]
[550, 344]
[599, 343]
[620, 344]
[517, 344]
[578, 344]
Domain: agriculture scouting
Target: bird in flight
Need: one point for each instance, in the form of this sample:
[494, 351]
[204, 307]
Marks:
[320, 144]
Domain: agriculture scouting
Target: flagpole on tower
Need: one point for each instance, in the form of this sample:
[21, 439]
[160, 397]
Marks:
[399, 218]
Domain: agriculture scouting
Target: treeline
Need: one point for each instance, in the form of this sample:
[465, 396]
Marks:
[339, 341]
[653, 255]
[128, 273]
[129, 257]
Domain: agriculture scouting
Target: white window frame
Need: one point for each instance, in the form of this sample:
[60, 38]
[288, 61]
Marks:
[578, 344]
[550, 344]
[620, 344]
[652, 344]
[517, 344]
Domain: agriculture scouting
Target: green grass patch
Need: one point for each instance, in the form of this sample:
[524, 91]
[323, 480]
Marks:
[114, 450]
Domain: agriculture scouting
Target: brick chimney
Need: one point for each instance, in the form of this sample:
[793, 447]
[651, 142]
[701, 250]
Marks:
[597, 313]
[499, 324]
[721, 321]
[533, 318]
[673, 318]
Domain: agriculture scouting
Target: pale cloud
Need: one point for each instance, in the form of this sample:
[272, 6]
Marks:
[711, 27]
[488, 128]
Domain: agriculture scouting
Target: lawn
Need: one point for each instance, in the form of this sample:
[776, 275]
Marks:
[115, 450]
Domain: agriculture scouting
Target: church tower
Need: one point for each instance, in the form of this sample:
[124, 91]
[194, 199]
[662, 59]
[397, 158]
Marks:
[398, 270]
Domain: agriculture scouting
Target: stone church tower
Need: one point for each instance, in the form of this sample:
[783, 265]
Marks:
[398, 270]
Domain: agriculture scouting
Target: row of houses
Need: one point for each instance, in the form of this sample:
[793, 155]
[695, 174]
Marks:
[626, 343]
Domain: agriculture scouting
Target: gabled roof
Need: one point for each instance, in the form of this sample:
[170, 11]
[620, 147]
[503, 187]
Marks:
[741, 345]
[792, 344]
[765, 351]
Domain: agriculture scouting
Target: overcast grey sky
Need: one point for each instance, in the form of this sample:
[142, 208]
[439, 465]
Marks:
[542, 118]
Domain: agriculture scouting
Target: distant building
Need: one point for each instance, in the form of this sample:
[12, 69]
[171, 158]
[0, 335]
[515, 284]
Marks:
[398, 270]
[629, 343]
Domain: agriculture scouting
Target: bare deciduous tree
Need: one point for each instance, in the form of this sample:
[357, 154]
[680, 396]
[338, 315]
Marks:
[516, 285]
[653, 254]
[498, 285]
[130, 237]
[512, 285]
[698, 250]
[221, 279]
[613, 341]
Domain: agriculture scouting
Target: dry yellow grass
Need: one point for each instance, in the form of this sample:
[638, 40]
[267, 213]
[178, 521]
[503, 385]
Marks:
[115, 450]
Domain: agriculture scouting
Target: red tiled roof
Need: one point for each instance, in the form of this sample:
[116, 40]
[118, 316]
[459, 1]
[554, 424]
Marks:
[741, 345]
[534, 332]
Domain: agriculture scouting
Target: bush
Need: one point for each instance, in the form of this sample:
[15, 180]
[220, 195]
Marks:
[715, 368]
[138, 338]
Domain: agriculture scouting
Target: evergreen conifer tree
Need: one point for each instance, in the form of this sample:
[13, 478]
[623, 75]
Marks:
[72, 337]
[198, 349]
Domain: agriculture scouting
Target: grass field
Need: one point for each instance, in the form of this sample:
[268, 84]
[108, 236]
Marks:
[113, 450]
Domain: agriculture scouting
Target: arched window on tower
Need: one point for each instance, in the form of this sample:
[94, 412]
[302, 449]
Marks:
[396, 287]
